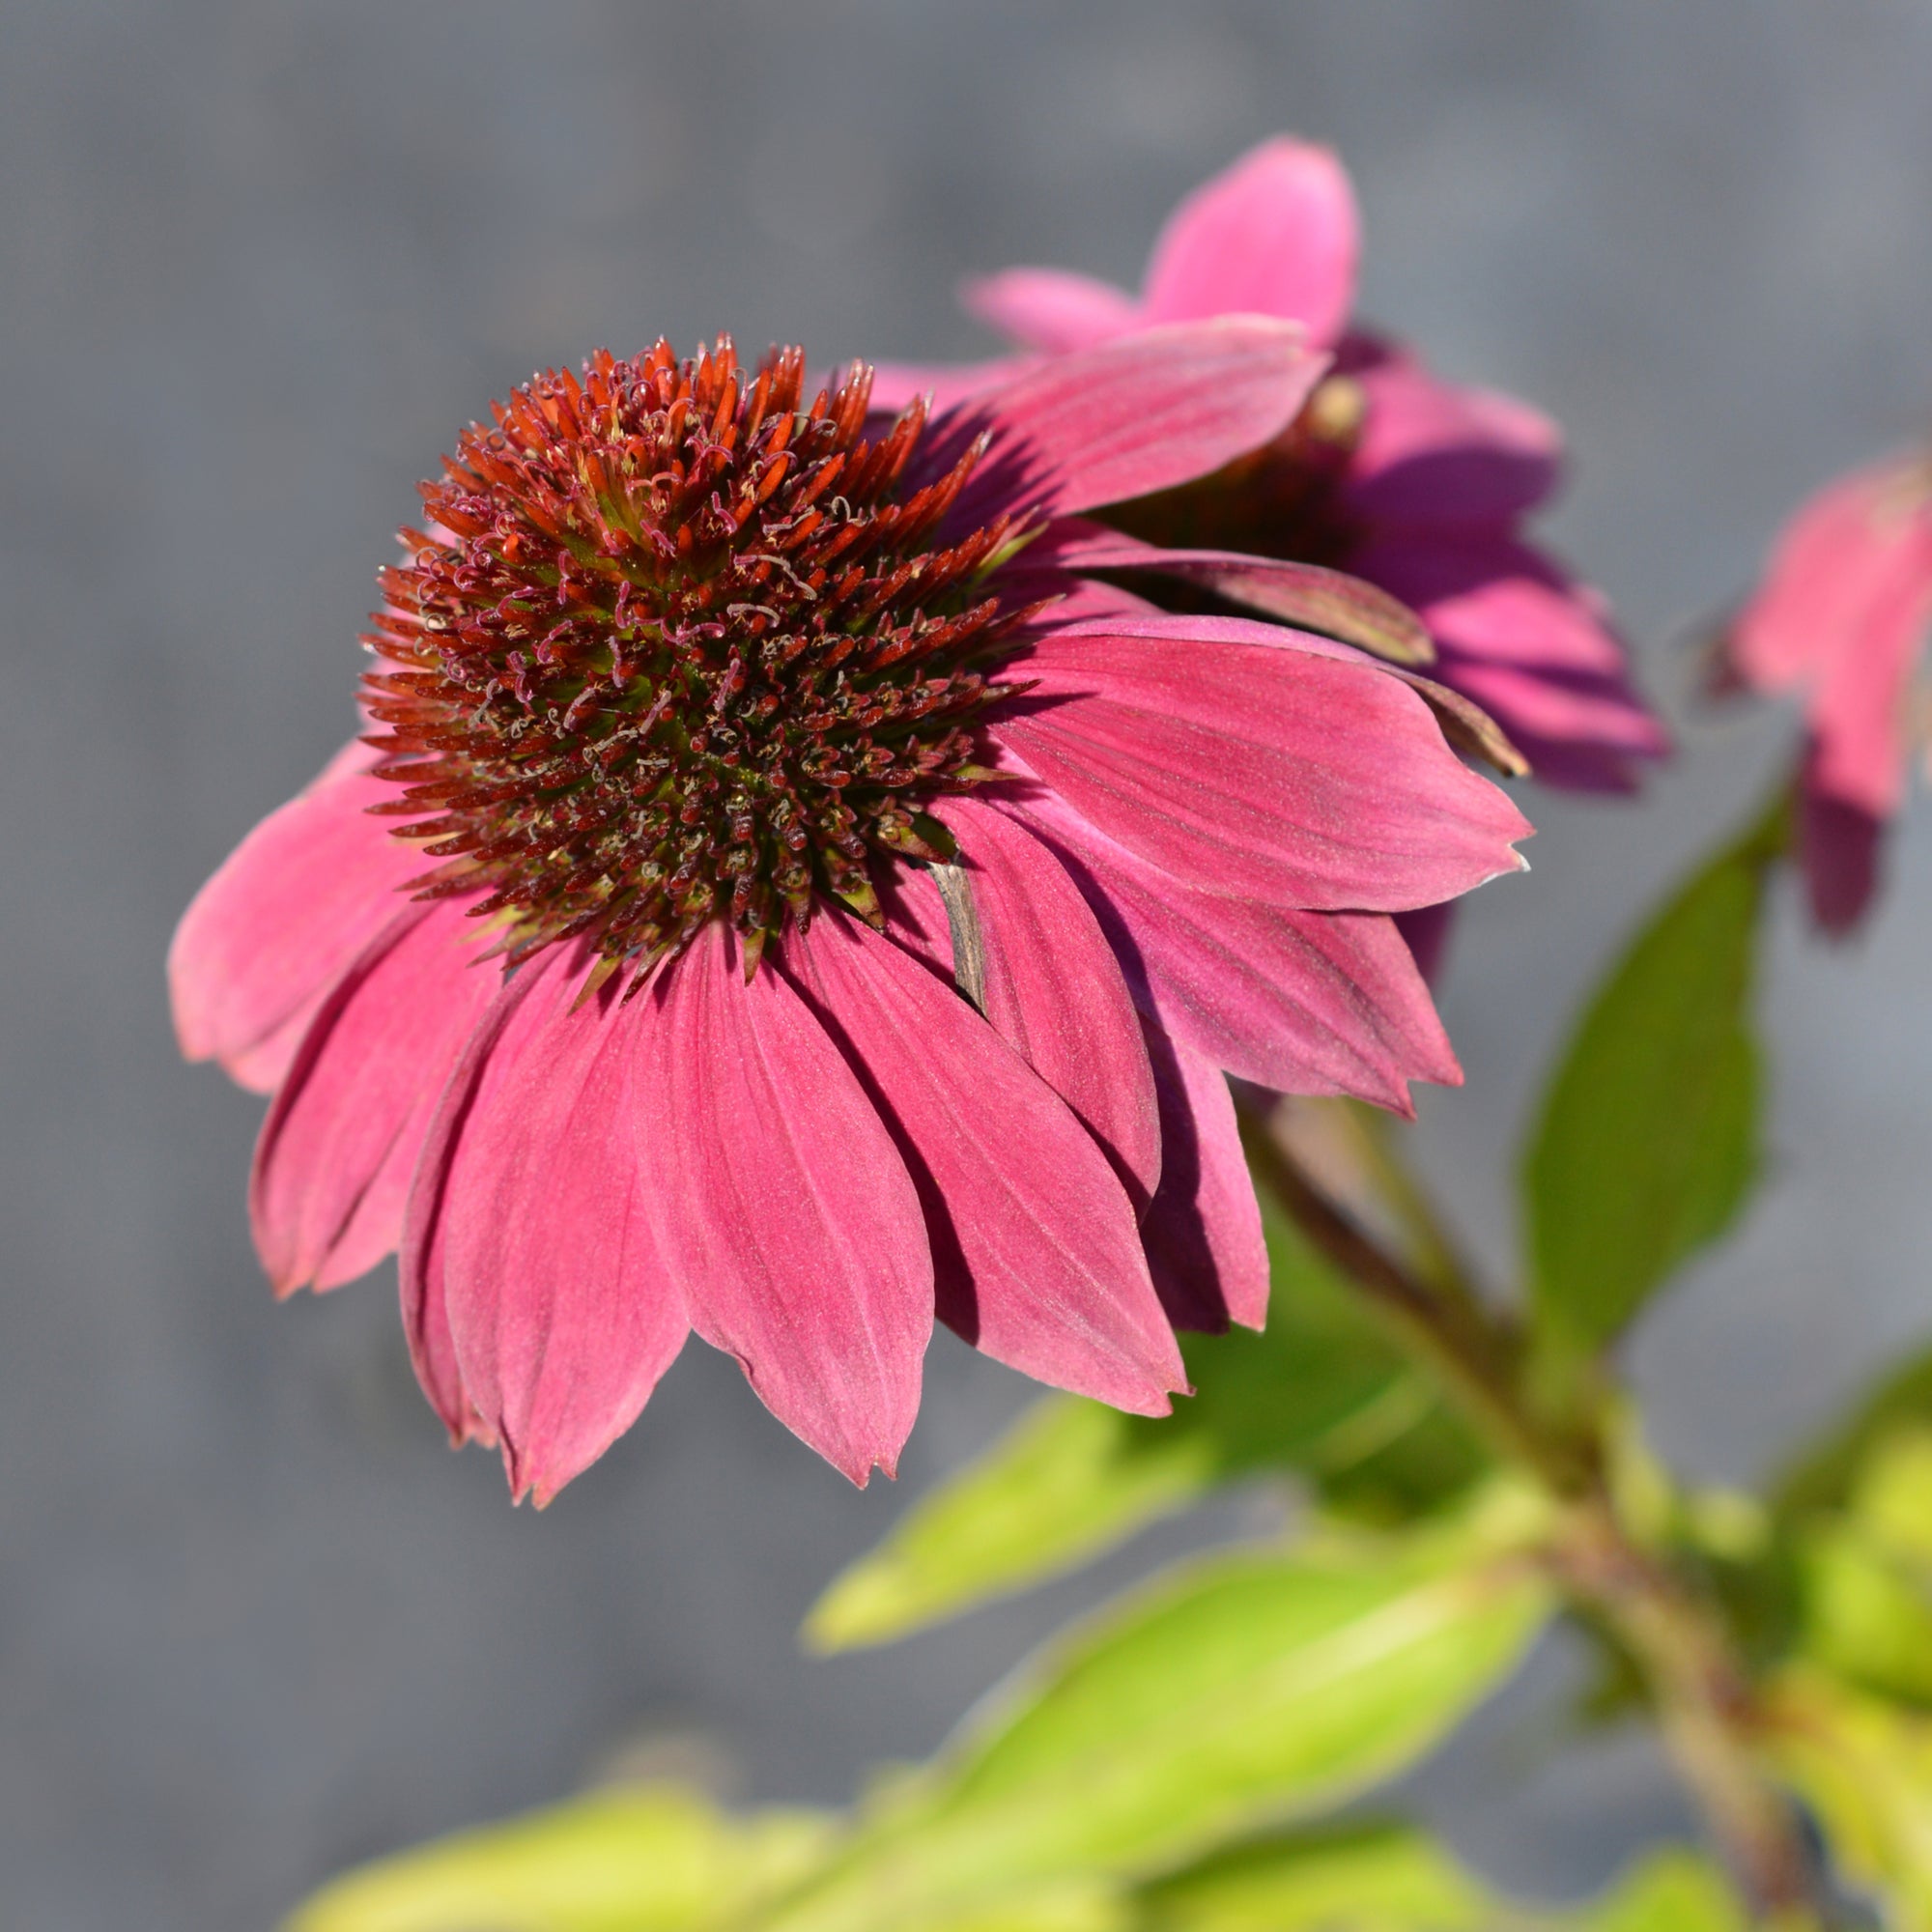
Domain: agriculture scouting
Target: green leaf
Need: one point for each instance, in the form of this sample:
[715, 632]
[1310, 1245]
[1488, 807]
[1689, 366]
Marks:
[648, 1859]
[1648, 1140]
[1864, 1769]
[1672, 1891]
[1868, 1574]
[1369, 1878]
[1322, 1392]
[1237, 1692]
[1822, 1478]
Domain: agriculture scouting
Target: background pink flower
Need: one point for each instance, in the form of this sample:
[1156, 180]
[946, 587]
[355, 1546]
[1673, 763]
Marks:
[1391, 474]
[1842, 615]
[882, 897]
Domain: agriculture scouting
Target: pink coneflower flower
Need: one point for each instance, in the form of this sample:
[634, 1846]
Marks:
[776, 897]
[1843, 613]
[1389, 473]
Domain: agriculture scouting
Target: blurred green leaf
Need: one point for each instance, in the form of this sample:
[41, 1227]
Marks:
[1236, 1692]
[1321, 1391]
[648, 1859]
[1823, 1476]
[1867, 1574]
[1367, 1878]
[1648, 1140]
[1671, 1892]
[1864, 1769]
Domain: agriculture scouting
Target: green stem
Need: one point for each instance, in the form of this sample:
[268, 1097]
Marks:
[1676, 1639]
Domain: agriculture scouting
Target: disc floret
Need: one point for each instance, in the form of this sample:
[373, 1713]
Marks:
[676, 643]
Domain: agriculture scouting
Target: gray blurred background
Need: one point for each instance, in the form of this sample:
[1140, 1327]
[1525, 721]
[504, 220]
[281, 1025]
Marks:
[261, 261]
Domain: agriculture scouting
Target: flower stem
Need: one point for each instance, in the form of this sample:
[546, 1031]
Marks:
[1677, 1640]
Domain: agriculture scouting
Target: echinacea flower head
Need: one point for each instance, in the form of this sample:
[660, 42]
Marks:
[1389, 473]
[780, 893]
[1842, 615]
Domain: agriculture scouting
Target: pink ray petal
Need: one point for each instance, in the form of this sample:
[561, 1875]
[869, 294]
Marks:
[1142, 414]
[1276, 234]
[1204, 1232]
[532, 1232]
[1053, 309]
[1426, 932]
[782, 1205]
[1036, 1252]
[1053, 988]
[333, 1162]
[285, 913]
[1304, 1002]
[1435, 454]
[1289, 775]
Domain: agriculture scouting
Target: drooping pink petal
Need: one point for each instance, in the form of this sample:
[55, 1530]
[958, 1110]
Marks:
[532, 1226]
[285, 913]
[1302, 1001]
[1858, 552]
[1053, 309]
[1276, 234]
[333, 1162]
[1142, 414]
[1204, 1232]
[781, 1204]
[1052, 988]
[1222, 757]
[1846, 606]
[1436, 454]
[1036, 1252]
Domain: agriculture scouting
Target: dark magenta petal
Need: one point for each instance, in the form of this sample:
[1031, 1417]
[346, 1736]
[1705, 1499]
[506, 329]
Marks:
[1053, 990]
[1204, 1232]
[533, 1228]
[333, 1162]
[1839, 847]
[781, 1205]
[1036, 1254]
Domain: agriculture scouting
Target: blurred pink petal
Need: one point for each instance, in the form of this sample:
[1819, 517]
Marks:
[1036, 1251]
[1843, 613]
[1052, 309]
[1277, 234]
[1433, 455]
